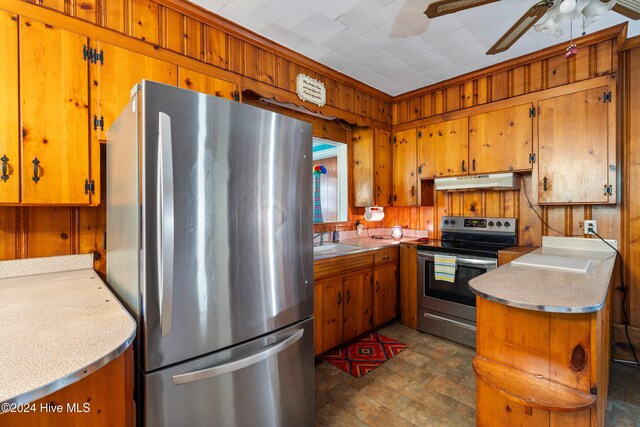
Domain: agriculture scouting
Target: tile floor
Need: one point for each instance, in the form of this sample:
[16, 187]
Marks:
[432, 384]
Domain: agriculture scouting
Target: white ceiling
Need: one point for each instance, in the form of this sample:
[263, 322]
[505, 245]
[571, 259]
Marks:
[391, 44]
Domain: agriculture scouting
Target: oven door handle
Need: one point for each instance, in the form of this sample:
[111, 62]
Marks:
[468, 262]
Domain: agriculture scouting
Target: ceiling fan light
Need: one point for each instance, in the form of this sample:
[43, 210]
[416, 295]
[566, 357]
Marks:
[567, 6]
[550, 27]
[595, 9]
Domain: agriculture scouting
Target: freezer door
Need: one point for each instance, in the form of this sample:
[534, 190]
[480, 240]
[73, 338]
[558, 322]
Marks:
[226, 223]
[265, 382]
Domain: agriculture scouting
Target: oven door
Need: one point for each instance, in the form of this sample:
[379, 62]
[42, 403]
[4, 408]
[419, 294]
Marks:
[455, 299]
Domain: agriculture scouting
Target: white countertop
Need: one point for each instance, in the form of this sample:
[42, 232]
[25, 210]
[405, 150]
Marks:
[552, 290]
[56, 326]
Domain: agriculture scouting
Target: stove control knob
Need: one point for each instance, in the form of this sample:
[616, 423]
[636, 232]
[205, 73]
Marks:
[507, 224]
[491, 224]
[446, 222]
[499, 224]
[453, 221]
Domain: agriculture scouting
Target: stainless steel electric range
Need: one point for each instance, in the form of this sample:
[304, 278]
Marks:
[449, 309]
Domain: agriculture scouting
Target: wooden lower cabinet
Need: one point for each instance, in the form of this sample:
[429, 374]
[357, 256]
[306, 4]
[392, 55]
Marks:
[385, 295]
[103, 398]
[409, 285]
[352, 295]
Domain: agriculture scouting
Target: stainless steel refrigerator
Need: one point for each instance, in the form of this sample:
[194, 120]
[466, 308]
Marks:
[209, 228]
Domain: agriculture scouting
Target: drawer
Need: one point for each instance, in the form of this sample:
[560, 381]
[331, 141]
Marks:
[328, 267]
[385, 256]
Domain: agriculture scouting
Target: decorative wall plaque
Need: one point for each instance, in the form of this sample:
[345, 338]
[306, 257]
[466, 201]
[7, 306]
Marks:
[311, 90]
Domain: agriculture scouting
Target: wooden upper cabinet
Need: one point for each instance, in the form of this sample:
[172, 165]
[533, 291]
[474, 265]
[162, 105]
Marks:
[113, 79]
[449, 141]
[55, 115]
[426, 152]
[362, 166]
[405, 179]
[383, 167]
[371, 167]
[576, 162]
[9, 110]
[501, 141]
[204, 83]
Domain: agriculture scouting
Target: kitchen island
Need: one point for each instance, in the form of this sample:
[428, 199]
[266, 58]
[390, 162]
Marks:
[66, 357]
[543, 336]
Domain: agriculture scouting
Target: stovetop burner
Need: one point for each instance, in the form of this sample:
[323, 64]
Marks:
[474, 236]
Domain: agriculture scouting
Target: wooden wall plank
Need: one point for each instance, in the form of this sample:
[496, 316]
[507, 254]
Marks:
[9, 233]
[49, 232]
[144, 20]
[235, 51]
[535, 76]
[113, 15]
[557, 71]
[453, 98]
[192, 39]
[499, 86]
[87, 10]
[171, 32]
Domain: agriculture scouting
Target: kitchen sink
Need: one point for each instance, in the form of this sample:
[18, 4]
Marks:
[334, 248]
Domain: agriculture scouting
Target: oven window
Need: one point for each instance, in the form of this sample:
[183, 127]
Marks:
[457, 291]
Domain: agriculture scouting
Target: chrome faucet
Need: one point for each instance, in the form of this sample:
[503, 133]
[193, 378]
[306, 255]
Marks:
[321, 235]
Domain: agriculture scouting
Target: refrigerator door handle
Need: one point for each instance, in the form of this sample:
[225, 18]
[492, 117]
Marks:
[165, 221]
[235, 365]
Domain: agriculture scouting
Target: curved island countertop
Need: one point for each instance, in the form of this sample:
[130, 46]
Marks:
[551, 290]
[58, 324]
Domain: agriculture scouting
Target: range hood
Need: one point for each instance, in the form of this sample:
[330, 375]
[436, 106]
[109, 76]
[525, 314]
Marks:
[496, 181]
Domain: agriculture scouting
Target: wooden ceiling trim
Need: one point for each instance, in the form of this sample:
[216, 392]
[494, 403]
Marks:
[217, 21]
[614, 32]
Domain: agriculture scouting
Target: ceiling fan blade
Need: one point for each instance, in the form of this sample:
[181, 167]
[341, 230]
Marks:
[439, 8]
[628, 8]
[518, 29]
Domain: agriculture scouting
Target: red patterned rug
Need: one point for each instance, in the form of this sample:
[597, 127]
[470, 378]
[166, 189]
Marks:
[361, 356]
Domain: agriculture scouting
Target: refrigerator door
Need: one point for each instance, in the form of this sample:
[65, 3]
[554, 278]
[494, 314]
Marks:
[226, 208]
[265, 382]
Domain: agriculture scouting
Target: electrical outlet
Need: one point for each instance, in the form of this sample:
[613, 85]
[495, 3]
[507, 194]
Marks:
[590, 224]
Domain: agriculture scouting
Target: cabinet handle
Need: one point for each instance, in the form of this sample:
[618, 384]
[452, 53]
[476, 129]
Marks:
[545, 185]
[339, 298]
[463, 168]
[4, 176]
[35, 162]
[473, 165]
[413, 190]
[377, 286]
[348, 295]
[385, 258]
[357, 162]
[395, 197]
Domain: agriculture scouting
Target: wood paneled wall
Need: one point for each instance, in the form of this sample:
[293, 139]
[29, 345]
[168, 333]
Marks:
[266, 67]
[541, 70]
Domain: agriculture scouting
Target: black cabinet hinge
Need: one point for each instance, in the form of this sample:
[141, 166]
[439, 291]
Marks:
[89, 186]
[236, 96]
[395, 140]
[607, 97]
[98, 122]
[90, 54]
[532, 112]
[608, 190]
[532, 158]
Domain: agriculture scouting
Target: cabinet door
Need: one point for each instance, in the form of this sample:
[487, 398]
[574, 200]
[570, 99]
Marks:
[328, 303]
[573, 134]
[405, 179]
[9, 106]
[383, 172]
[427, 152]
[204, 83]
[112, 81]
[501, 141]
[385, 297]
[358, 305]
[362, 166]
[55, 115]
[450, 142]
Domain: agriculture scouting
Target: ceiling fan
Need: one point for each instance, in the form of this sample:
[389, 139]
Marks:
[556, 11]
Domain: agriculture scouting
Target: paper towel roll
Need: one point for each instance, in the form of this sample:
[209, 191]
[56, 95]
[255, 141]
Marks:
[374, 213]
